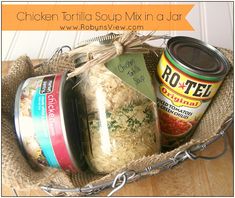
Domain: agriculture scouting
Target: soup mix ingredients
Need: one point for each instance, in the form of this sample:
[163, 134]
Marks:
[122, 123]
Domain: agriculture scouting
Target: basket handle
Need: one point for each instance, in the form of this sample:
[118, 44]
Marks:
[222, 132]
[193, 156]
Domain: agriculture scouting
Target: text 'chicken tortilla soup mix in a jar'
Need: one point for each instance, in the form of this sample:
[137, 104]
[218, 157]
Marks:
[188, 75]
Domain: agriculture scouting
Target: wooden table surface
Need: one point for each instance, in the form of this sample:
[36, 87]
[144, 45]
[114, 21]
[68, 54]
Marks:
[191, 178]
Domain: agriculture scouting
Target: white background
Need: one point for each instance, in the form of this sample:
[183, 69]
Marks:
[212, 23]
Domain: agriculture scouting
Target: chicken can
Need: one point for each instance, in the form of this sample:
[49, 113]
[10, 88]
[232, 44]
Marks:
[189, 74]
[45, 122]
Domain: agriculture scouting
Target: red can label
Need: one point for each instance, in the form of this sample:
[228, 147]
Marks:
[181, 100]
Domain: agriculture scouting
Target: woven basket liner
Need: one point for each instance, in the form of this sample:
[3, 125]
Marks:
[17, 173]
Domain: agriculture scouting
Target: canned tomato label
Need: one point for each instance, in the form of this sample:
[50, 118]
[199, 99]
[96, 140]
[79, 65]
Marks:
[40, 121]
[189, 74]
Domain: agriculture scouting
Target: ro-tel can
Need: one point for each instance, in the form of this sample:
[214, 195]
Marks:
[45, 122]
[188, 75]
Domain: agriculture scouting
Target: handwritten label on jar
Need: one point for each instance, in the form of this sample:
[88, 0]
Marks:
[131, 68]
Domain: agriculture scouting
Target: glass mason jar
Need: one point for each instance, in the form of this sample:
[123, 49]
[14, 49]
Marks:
[119, 124]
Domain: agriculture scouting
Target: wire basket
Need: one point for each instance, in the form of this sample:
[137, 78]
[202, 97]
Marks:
[18, 174]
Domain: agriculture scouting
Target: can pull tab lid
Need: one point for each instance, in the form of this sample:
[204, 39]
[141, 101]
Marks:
[197, 57]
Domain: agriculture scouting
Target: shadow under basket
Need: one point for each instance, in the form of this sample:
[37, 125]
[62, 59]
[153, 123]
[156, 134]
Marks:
[17, 174]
